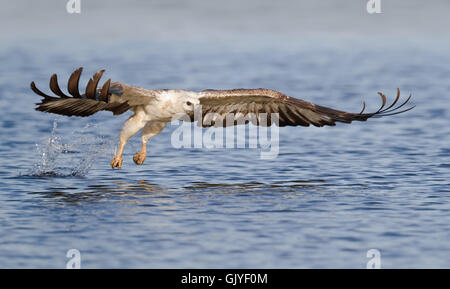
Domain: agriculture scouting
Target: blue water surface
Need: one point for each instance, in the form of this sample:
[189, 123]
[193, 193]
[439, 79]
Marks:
[332, 193]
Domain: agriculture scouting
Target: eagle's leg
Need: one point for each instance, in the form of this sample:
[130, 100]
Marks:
[134, 124]
[150, 130]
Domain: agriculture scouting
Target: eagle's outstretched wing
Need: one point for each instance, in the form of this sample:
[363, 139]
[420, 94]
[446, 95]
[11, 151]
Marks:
[116, 97]
[216, 105]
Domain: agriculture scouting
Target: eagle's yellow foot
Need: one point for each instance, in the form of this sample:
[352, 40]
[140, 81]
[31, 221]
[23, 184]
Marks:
[139, 158]
[116, 162]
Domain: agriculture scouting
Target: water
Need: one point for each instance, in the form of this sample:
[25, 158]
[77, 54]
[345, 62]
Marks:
[332, 194]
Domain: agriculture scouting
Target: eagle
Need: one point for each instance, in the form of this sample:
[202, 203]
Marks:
[153, 109]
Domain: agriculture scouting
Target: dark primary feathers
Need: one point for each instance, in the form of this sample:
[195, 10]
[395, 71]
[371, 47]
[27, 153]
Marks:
[92, 101]
[289, 111]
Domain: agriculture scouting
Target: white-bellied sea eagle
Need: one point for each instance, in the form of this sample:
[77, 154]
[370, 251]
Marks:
[153, 109]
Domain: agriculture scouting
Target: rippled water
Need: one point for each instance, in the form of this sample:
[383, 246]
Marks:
[332, 194]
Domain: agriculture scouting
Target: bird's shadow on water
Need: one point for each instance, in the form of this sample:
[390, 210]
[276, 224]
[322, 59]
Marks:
[255, 187]
[144, 190]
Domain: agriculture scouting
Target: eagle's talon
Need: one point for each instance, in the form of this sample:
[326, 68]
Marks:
[139, 158]
[116, 162]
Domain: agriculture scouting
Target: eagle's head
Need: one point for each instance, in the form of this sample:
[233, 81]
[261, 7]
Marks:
[189, 104]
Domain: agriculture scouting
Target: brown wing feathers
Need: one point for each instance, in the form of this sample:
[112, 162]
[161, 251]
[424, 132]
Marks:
[92, 101]
[217, 105]
[289, 111]
[347, 117]
[319, 115]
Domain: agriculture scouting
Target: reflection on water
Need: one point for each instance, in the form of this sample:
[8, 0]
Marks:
[144, 192]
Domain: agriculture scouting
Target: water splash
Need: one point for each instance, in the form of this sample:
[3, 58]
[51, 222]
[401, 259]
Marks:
[49, 153]
[74, 158]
